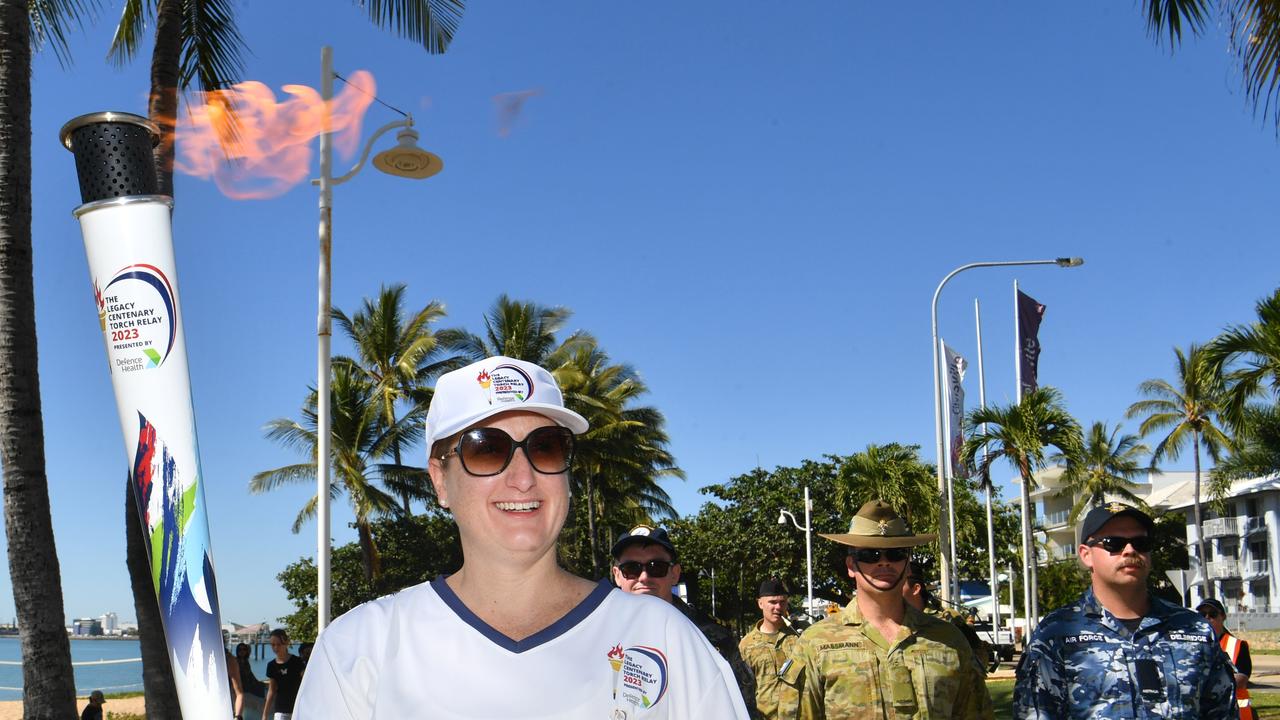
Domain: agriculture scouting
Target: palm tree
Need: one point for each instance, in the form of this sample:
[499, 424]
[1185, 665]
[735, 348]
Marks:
[360, 438]
[1254, 349]
[399, 355]
[1189, 409]
[1255, 450]
[895, 474]
[623, 455]
[1019, 433]
[1253, 36]
[524, 331]
[1106, 466]
[48, 687]
[199, 41]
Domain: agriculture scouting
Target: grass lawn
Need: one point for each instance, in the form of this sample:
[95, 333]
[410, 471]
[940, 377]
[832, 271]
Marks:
[1267, 703]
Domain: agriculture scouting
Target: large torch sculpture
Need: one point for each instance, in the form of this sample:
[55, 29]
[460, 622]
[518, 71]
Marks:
[128, 241]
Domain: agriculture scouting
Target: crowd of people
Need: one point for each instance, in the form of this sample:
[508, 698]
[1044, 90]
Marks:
[513, 634]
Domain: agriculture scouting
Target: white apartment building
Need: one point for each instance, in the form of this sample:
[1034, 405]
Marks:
[1242, 544]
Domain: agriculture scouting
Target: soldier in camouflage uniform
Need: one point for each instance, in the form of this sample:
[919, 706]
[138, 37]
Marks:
[767, 649]
[1120, 652]
[916, 592]
[645, 563]
[879, 658]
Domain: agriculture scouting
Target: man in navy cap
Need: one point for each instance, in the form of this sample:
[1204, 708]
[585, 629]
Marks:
[1120, 652]
[645, 563]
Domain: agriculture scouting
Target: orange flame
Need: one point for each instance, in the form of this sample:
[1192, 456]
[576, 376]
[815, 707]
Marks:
[253, 146]
[483, 379]
[616, 652]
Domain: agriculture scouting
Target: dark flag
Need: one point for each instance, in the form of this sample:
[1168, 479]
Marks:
[1030, 313]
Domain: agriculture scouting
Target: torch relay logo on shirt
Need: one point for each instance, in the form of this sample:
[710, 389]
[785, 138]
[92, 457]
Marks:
[137, 316]
[643, 673]
[506, 384]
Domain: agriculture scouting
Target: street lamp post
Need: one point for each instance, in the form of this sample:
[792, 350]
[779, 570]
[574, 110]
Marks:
[808, 543]
[405, 160]
[947, 555]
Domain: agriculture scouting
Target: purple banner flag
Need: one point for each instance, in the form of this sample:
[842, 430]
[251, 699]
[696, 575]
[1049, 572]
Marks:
[956, 365]
[1030, 313]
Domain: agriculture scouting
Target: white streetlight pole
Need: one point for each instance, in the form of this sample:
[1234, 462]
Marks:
[947, 555]
[808, 543]
[405, 160]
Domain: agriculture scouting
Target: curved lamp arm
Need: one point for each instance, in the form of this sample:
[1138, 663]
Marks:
[781, 513]
[407, 122]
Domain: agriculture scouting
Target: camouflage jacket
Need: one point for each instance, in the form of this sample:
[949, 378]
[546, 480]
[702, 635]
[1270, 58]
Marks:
[768, 655]
[961, 621]
[928, 672]
[1082, 663]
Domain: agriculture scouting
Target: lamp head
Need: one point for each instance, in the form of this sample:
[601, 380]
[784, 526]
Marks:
[1069, 261]
[408, 160]
[782, 517]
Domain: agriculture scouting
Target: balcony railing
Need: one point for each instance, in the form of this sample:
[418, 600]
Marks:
[1222, 527]
[1056, 519]
[1223, 569]
[1253, 525]
[1256, 568]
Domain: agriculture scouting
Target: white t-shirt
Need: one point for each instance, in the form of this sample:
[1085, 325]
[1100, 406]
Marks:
[421, 653]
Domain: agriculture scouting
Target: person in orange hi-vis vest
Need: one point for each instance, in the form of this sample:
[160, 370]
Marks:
[1237, 651]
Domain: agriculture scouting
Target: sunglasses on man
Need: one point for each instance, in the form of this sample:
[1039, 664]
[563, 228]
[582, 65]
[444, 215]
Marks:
[870, 555]
[1210, 614]
[1115, 544]
[487, 451]
[631, 569]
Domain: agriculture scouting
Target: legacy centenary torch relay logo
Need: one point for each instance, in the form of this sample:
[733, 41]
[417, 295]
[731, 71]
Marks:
[138, 319]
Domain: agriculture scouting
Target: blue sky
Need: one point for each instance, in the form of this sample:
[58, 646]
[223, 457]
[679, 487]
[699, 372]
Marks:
[752, 207]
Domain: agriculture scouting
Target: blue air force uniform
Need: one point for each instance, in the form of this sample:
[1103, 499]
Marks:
[1084, 664]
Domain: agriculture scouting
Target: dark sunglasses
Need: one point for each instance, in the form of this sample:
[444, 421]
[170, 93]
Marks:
[1210, 614]
[631, 569]
[1116, 543]
[868, 555]
[487, 451]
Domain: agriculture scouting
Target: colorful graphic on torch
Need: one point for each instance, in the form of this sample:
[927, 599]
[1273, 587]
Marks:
[178, 534]
[138, 318]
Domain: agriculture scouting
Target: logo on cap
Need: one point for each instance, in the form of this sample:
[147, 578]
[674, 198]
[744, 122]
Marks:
[1116, 507]
[641, 530]
[507, 384]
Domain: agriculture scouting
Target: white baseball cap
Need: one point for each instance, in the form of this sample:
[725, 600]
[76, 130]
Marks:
[495, 385]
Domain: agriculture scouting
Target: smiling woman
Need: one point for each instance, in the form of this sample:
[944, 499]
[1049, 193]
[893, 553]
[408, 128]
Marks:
[511, 634]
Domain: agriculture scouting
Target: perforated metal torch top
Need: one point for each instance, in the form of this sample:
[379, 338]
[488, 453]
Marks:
[113, 154]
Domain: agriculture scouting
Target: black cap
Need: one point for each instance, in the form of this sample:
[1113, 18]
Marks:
[644, 535]
[771, 587]
[1212, 603]
[1099, 516]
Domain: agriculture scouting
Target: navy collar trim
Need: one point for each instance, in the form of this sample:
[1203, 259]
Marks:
[570, 620]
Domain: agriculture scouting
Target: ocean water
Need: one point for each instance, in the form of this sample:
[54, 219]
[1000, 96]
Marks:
[106, 665]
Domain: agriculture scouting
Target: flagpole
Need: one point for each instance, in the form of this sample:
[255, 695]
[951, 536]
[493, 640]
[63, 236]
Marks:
[951, 476]
[994, 584]
[1023, 491]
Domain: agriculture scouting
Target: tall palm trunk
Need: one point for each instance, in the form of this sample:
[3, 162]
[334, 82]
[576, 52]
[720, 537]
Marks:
[591, 529]
[1204, 559]
[161, 695]
[48, 687]
[1031, 586]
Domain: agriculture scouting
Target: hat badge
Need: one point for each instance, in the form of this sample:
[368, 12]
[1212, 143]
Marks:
[641, 531]
[884, 527]
[1116, 507]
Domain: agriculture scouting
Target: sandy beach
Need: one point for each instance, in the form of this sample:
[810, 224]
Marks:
[12, 709]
